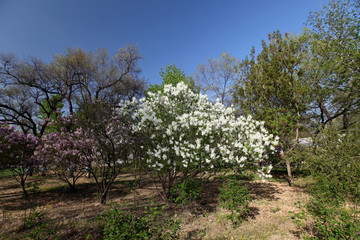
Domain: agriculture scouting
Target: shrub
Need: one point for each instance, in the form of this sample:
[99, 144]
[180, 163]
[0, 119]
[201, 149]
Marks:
[62, 152]
[335, 195]
[39, 226]
[120, 224]
[17, 153]
[111, 144]
[187, 191]
[328, 207]
[234, 197]
[331, 218]
[188, 135]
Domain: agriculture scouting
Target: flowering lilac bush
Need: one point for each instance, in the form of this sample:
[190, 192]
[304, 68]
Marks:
[109, 144]
[96, 141]
[62, 152]
[17, 153]
[188, 135]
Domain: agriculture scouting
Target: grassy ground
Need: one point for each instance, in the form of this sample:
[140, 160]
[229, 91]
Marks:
[5, 173]
[78, 215]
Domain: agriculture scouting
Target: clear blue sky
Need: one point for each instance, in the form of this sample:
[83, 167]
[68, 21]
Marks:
[183, 32]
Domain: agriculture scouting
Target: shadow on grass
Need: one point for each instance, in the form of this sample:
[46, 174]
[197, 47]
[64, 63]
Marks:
[9, 186]
[82, 205]
[252, 213]
[263, 191]
[279, 175]
[85, 192]
[258, 190]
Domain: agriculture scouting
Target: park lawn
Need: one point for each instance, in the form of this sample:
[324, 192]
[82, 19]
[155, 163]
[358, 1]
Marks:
[4, 173]
[78, 215]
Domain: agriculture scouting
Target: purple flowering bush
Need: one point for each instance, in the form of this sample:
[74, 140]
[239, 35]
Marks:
[96, 141]
[109, 144]
[63, 152]
[17, 153]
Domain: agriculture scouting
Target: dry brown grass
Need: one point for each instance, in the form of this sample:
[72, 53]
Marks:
[268, 217]
[72, 215]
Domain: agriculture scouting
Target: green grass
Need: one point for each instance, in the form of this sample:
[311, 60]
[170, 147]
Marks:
[5, 173]
[53, 188]
[305, 181]
[279, 170]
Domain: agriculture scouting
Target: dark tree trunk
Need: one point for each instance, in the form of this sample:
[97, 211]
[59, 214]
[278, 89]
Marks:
[345, 121]
[23, 188]
[71, 186]
[103, 197]
[290, 177]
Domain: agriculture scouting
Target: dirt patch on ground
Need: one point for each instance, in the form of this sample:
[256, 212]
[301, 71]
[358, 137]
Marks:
[269, 216]
[76, 215]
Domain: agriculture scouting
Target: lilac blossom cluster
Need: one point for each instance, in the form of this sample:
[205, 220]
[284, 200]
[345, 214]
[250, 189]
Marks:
[17, 148]
[17, 153]
[81, 146]
[189, 133]
[62, 152]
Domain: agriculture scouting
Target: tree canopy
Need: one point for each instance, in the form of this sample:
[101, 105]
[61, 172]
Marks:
[172, 75]
[75, 77]
[217, 77]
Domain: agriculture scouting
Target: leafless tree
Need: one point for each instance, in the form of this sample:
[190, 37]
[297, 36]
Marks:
[216, 77]
[75, 77]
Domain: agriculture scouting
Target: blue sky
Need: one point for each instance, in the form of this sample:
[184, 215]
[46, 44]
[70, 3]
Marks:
[181, 32]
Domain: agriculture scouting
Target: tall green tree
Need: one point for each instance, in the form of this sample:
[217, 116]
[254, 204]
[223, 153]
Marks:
[172, 75]
[272, 89]
[333, 68]
[44, 109]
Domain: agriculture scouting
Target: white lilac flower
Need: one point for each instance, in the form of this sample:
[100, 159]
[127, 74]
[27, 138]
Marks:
[183, 125]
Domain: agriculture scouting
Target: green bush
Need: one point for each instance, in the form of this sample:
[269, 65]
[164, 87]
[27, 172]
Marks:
[243, 175]
[332, 219]
[334, 163]
[120, 224]
[234, 197]
[187, 191]
[39, 226]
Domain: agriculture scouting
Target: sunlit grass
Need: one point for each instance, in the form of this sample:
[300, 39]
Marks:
[5, 173]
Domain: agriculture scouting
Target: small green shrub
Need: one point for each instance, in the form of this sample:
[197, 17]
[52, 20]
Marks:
[299, 217]
[335, 194]
[332, 220]
[246, 176]
[39, 225]
[234, 197]
[187, 191]
[120, 224]
[35, 218]
[327, 206]
[33, 186]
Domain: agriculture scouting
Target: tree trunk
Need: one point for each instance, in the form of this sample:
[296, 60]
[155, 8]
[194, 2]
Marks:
[24, 189]
[72, 187]
[103, 198]
[290, 177]
[345, 121]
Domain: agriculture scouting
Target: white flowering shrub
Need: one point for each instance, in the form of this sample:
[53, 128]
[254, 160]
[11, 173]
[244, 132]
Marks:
[188, 135]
